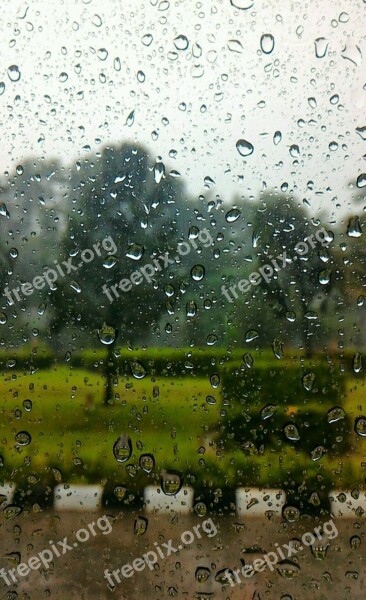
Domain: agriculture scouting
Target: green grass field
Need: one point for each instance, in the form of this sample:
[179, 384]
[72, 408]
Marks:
[72, 433]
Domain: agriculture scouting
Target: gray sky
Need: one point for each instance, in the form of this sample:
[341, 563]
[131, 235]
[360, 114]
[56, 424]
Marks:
[79, 63]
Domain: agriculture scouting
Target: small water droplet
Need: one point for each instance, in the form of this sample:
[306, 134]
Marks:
[3, 318]
[324, 276]
[135, 251]
[27, 404]
[355, 542]
[335, 414]
[277, 137]
[120, 491]
[12, 511]
[200, 509]
[235, 46]
[140, 526]
[109, 262]
[308, 381]
[291, 513]
[147, 39]
[2, 88]
[159, 170]
[317, 453]
[251, 335]
[202, 574]
[268, 411]
[354, 227]
[357, 362]
[130, 119]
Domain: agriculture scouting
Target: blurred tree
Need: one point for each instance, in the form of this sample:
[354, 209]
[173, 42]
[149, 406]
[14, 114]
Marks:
[127, 205]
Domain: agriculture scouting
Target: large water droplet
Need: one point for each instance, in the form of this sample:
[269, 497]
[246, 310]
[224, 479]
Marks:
[354, 227]
[137, 369]
[291, 513]
[267, 43]
[14, 73]
[171, 482]
[159, 171]
[288, 569]
[109, 262]
[291, 432]
[324, 276]
[122, 448]
[308, 381]
[268, 411]
[147, 39]
[361, 180]
[235, 46]
[120, 491]
[147, 462]
[335, 414]
[202, 574]
[251, 335]
[321, 47]
[357, 362]
[23, 438]
[107, 334]
[317, 453]
[135, 251]
[12, 511]
[181, 42]
[360, 426]
[244, 148]
[191, 309]
[232, 215]
[242, 4]
[198, 272]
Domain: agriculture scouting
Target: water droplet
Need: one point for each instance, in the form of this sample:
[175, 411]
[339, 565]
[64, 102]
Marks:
[109, 262]
[13, 253]
[107, 334]
[235, 46]
[202, 574]
[147, 462]
[141, 76]
[357, 362]
[232, 215]
[135, 251]
[211, 400]
[191, 309]
[361, 180]
[324, 276]
[211, 339]
[343, 17]
[140, 526]
[291, 432]
[251, 335]
[354, 227]
[308, 381]
[130, 119]
[3, 318]
[75, 286]
[248, 360]
[14, 73]
[117, 64]
[171, 482]
[181, 42]
[200, 509]
[352, 53]
[12, 511]
[120, 491]
[242, 4]
[277, 137]
[244, 148]
[23, 438]
[122, 448]
[2, 88]
[335, 414]
[137, 369]
[317, 453]
[277, 348]
[321, 47]
[42, 308]
[291, 513]
[147, 39]
[63, 77]
[360, 426]
[215, 380]
[362, 133]
[294, 151]
[267, 43]
[288, 569]
[268, 411]
[159, 171]
[290, 316]
[102, 54]
[355, 542]
[198, 272]
[27, 404]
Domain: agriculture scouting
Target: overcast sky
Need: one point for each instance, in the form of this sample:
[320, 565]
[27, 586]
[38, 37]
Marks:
[198, 81]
